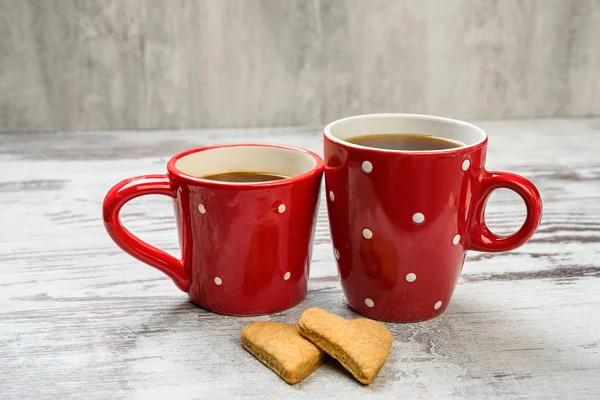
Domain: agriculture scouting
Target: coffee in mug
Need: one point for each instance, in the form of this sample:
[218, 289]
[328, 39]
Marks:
[245, 236]
[406, 142]
[405, 208]
[241, 177]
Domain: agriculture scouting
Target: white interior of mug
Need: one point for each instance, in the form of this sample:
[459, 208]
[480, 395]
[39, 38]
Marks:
[377, 124]
[284, 161]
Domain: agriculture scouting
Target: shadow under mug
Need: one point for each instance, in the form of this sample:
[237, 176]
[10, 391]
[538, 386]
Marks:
[402, 221]
[245, 247]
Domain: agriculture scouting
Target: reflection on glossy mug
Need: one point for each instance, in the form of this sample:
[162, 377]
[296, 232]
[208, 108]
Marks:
[401, 221]
[245, 246]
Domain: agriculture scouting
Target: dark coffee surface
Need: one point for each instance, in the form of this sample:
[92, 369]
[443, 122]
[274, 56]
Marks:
[405, 141]
[245, 177]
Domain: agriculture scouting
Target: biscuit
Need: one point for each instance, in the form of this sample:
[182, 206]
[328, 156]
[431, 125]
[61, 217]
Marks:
[361, 345]
[282, 348]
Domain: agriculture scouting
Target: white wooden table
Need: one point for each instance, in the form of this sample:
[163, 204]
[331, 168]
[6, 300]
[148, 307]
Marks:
[81, 319]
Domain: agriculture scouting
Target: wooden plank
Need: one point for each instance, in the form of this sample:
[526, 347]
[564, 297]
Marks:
[79, 318]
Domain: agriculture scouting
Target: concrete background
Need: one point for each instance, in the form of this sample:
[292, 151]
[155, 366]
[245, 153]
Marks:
[148, 64]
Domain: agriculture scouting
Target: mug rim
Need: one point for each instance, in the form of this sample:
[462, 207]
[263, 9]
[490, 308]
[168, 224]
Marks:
[330, 136]
[316, 169]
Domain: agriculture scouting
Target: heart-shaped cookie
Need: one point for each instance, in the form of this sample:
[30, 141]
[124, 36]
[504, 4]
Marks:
[360, 345]
[282, 348]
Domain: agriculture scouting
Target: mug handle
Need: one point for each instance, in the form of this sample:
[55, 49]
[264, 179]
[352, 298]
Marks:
[480, 238]
[115, 199]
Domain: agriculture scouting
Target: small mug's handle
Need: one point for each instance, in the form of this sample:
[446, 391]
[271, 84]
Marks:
[115, 199]
[480, 238]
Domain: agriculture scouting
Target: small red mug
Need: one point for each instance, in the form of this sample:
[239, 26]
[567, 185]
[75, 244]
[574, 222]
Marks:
[402, 221]
[245, 247]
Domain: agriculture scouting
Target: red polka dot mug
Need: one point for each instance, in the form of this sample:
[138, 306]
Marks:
[402, 221]
[245, 246]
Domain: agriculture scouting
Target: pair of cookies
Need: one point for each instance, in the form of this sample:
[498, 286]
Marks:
[294, 351]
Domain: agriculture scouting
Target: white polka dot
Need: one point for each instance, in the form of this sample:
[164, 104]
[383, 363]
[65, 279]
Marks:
[367, 233]
[287, 275]
[367, 166]
[466, 164]
[218, 281]
[201, 208]
[418, 218]
[337, 253]
[281, 208]
[370, 303]
[437, 305]
[411, 277]
[456, 240]
[331, 196]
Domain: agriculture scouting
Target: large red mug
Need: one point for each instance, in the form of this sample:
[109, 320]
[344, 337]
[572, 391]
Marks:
[245, 247]
[402, 221]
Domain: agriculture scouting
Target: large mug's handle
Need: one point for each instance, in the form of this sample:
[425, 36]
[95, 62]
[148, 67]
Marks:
[115, 199]
[480, 238]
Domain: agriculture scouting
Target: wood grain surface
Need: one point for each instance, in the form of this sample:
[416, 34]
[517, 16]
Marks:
[81, 319]
[148, 64]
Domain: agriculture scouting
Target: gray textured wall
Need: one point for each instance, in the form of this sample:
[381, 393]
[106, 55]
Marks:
[113, 64]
